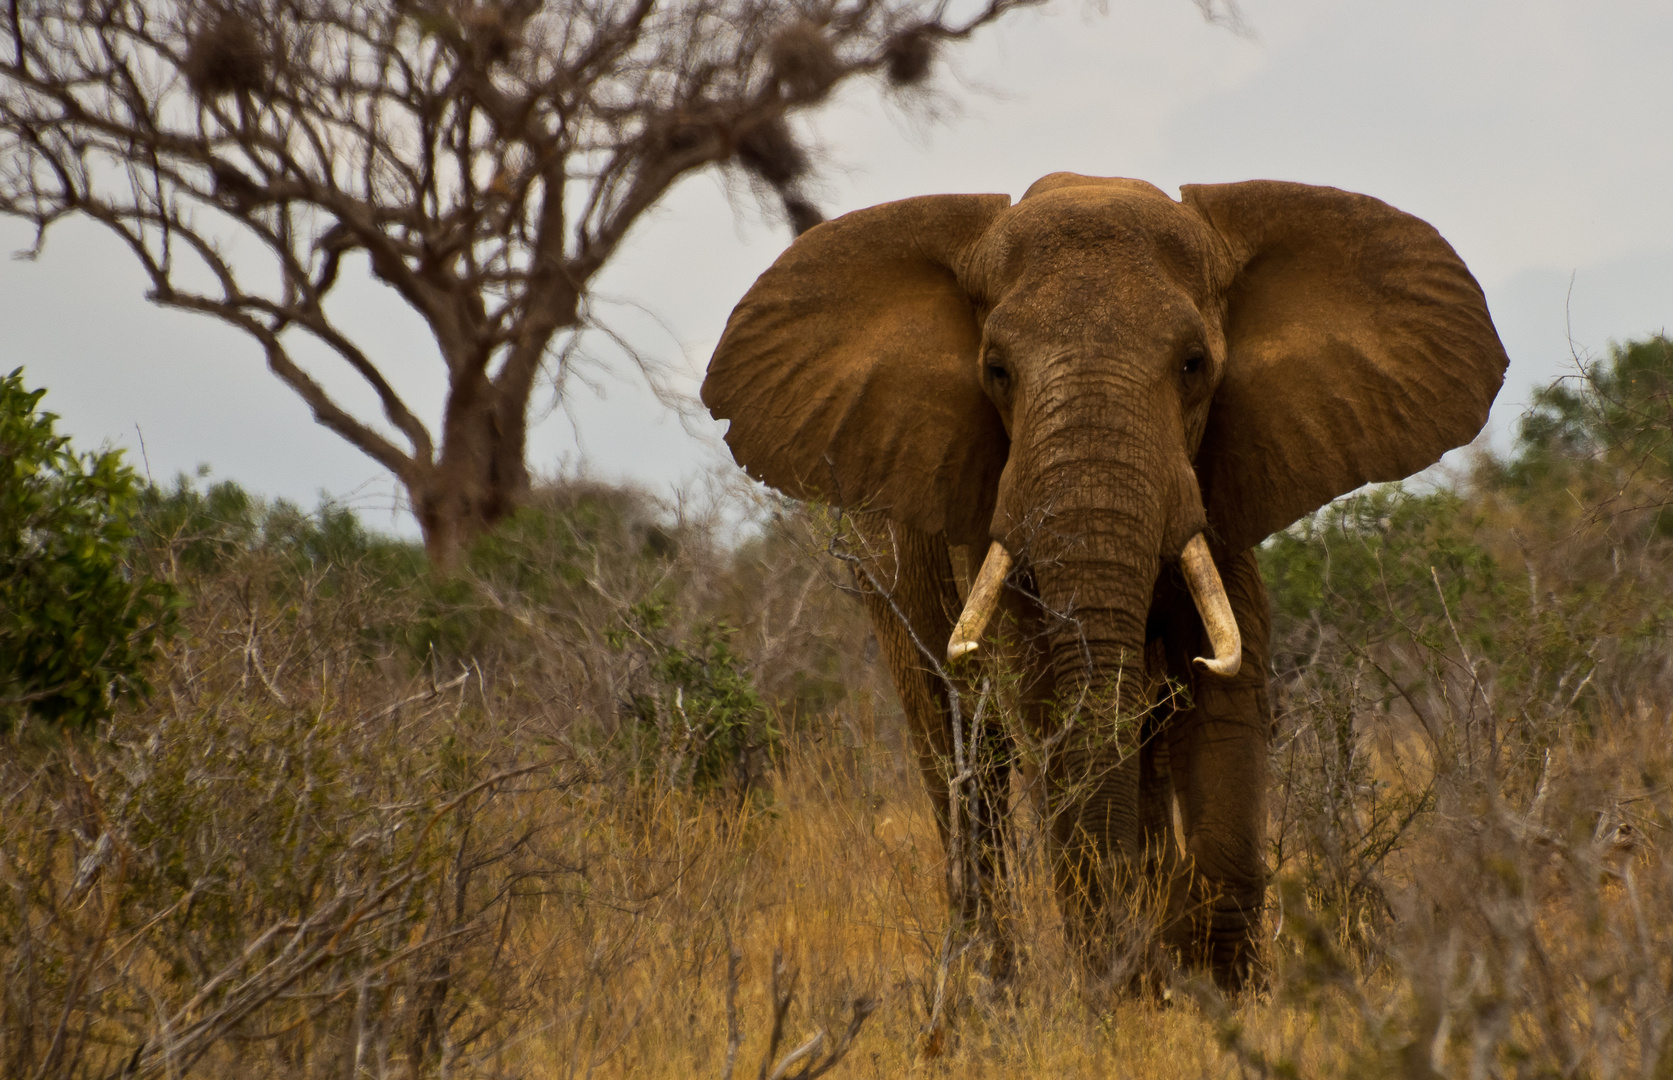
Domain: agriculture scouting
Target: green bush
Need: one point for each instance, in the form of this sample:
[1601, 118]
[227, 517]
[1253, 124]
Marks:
[199, 530]
[1610, 428]
[1367, 565]
[694, 704]
[77, 628]
[562, 564]
[587, 598]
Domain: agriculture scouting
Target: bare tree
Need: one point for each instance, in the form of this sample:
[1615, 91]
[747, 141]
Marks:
[486, 156]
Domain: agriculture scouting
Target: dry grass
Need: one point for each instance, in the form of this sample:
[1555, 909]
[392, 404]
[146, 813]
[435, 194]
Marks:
[328, 850]
[1528, 943]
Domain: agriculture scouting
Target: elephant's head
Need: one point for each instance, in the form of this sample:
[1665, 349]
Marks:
[1093, 377]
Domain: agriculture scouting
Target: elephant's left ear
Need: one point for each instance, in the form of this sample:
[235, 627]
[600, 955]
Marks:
[1358, 349]
[849, 371]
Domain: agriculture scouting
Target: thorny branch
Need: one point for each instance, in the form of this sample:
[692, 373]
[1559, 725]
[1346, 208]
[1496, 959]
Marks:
[817, 1055]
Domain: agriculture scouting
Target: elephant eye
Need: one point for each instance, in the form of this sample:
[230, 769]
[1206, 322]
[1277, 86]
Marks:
[1193, 361]
[998, 373]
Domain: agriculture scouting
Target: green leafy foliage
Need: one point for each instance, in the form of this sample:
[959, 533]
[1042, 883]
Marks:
[775, 578]
[1368, 565]
[697, 708]
[568, 556]
[196, 529]
[659, 683]
[77, 628]
[1584, 507]
[1612, 421]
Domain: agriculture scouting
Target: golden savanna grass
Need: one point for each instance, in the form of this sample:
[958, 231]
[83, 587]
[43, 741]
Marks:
[1556, 941]
[372, 824]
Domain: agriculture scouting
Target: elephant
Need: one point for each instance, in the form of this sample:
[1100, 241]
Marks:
[1063, 426]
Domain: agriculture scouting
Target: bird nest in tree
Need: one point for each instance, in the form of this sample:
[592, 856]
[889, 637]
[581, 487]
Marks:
[226, 56]
[802, 60]
[493, 32]
[908, 56]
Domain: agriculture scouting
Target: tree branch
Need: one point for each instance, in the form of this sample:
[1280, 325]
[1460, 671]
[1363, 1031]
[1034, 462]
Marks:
[488, 157]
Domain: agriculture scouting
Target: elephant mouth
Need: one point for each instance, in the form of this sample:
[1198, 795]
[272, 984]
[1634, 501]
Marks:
[1201, 577]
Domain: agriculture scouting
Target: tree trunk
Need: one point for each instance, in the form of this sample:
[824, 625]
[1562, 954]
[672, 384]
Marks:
[480, 476]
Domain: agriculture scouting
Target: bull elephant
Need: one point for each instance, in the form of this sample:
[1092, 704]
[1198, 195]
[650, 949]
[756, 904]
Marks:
[1105, 398]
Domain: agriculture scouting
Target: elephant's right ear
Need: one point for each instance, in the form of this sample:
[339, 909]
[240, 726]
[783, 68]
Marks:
[1358, 348]
[849, 372]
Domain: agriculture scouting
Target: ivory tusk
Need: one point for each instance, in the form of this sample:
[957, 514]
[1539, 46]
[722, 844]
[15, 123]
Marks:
[984, 597]
[1216, 611]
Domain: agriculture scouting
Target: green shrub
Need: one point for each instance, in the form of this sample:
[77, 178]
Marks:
[1610, 427]
[694, 704]
[1367, 565]
[199, 530]
[77, 628]
[1453, 640]
[564, 564]
[588, 598]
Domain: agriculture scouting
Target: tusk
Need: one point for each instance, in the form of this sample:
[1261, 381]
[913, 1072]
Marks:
[1215, 609]
[984, 597]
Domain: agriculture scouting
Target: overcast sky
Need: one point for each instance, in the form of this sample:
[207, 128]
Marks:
[1536, 135]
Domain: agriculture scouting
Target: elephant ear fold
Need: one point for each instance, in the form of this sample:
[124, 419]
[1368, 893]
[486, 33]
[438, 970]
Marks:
[849, 372]
[1358, 349]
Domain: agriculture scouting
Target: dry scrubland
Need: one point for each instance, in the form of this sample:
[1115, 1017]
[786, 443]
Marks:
[620, 800]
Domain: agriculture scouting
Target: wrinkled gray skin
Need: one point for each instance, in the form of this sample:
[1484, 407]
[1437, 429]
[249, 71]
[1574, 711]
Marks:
[1091, 378]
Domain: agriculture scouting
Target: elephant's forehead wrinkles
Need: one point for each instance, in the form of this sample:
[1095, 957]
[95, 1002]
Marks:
[1123, 231]
[1082, 312]
[1099, 292]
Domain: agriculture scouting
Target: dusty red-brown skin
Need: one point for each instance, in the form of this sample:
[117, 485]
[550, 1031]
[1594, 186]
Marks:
[1091, 377]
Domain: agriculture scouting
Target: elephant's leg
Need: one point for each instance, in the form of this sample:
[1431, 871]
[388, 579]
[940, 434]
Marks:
[912, 598]
[1218, 754]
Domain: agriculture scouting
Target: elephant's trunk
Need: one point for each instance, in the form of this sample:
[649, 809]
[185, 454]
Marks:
[1093, 509]
[1093, 536]
[1099, 491]
[1092, 765]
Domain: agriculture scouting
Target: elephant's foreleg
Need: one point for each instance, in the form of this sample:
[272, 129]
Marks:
[1218, 756]
[911, 596]
[1222, 806]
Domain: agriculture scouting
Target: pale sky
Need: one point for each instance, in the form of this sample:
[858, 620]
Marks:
[1536, 135]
